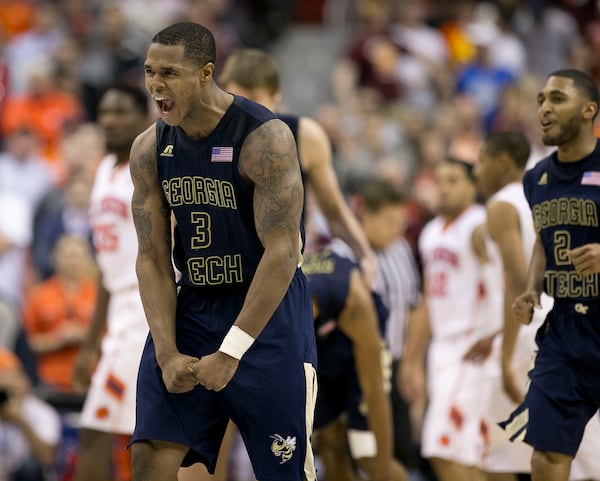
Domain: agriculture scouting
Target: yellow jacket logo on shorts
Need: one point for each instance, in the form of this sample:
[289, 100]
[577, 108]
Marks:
[283, 448]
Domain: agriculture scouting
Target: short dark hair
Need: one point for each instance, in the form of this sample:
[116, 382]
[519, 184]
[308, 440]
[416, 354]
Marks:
[198, 41]
[514, 144]
[583, 82]
[251, 68]
[137, 94]
[377, 193]
[468, 167]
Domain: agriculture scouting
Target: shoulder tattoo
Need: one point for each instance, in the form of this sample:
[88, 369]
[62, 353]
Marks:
[271, 163]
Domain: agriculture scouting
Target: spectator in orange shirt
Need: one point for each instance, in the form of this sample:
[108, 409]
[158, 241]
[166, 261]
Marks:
[58, 311]
[43, 108]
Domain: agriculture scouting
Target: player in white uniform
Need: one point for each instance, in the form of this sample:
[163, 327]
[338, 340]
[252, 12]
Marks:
[503, 158]
[119, 328]
[460, 301]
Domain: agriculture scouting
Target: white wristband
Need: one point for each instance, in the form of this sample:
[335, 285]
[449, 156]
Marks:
[236, 342]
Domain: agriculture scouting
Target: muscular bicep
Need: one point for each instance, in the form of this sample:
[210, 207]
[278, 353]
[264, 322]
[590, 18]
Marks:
[269, 160]
[149, 207]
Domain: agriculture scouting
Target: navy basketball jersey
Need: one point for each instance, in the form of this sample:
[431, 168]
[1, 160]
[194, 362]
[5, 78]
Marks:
[564, 198]
[329, 282]
[215, 239]
[328, 277]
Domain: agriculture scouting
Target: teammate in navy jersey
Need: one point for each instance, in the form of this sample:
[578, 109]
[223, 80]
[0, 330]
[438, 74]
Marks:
[235, 339]
[348, 322]
[254, 74]
[563, 191]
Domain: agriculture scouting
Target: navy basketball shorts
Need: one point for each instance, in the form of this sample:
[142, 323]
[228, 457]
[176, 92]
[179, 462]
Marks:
[564, 389]
[270, 398]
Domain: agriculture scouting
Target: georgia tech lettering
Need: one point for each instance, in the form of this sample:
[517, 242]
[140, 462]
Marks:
[569, 284]
[199, 190]
[566, 211]
[215, 270]
[318, 263]
[208, 270]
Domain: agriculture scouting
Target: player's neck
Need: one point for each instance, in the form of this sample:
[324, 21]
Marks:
[450, 217]
[577, 149]
[210, 109]
[513, 178]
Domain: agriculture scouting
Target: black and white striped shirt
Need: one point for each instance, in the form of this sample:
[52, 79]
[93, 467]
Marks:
[398, 282]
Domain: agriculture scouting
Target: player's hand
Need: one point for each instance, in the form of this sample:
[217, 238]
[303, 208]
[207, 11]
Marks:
[509, 384]
[84, 368]
[178, 373]
[523, 305]
[480, 351]
[216, 370]
[586, 259]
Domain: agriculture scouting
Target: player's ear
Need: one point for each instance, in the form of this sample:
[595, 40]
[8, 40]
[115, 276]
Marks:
[504, 160]
[207, 71]
[589, 110]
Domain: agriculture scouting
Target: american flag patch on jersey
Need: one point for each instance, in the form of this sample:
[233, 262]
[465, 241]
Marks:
[591, 177]
[221, 154]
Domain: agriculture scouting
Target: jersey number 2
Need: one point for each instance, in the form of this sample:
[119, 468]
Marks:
[562, 245]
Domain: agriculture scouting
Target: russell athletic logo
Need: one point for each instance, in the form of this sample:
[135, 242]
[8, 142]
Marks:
[167, 152]
[283, 448]
[543, 179]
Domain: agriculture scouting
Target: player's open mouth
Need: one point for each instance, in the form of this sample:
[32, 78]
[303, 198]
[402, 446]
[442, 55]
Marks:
[164, 104]
[546, 124]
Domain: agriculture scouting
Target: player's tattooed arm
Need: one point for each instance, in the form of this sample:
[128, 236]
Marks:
[269, 161]
[154, 269]
[149, 207]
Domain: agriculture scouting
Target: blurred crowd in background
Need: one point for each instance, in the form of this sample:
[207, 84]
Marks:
[411, 82]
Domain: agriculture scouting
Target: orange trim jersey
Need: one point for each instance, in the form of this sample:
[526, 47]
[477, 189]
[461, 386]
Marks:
[452, 272]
